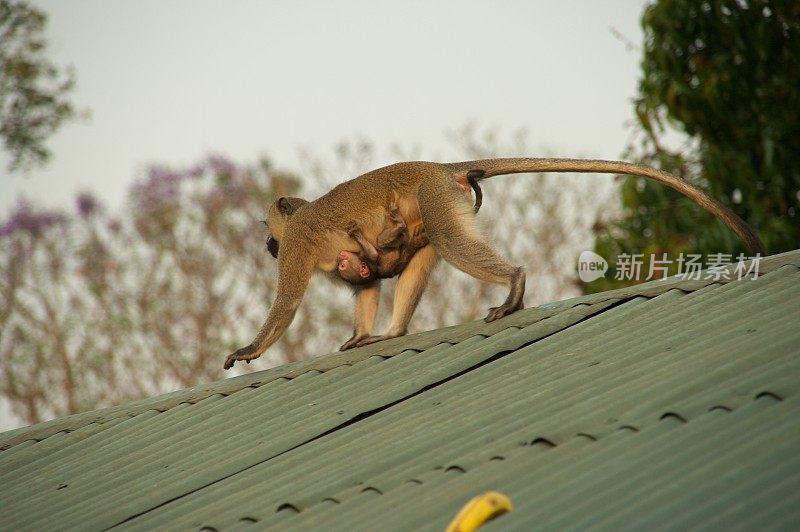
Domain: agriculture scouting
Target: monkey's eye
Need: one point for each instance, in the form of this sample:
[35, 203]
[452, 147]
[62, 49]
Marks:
[263, 222]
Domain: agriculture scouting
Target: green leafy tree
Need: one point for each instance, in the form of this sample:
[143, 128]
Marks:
[33, 91]
[725, 76]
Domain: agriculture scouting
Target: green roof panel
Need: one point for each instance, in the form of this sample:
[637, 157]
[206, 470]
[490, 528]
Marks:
[673, 404]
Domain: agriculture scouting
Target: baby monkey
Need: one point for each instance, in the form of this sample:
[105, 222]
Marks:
[395, 246]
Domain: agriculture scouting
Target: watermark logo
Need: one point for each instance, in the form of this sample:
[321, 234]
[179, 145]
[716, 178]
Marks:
[591, 266]
[634, 267]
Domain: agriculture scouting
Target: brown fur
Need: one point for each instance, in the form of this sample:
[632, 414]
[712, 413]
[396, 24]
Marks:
[311, 234]
[392, 251]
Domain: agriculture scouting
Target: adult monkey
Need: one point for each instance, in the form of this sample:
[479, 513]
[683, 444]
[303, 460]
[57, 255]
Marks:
[309, 235]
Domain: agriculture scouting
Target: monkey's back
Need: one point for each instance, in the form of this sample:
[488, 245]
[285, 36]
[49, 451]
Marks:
[363, 199]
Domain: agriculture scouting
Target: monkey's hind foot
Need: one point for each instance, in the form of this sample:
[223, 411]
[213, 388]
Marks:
[495, 313]
[246, 353]
[513, 302]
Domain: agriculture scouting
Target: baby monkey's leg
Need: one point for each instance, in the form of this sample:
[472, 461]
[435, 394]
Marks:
[369, 251]
[393, 234]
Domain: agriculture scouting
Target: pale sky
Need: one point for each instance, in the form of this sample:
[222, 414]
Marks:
[170, 81]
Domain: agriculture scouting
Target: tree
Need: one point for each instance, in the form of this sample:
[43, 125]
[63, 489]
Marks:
[725, 76]
[97, 308]
[33, 91]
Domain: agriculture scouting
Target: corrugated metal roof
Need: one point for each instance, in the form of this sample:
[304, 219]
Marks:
[673, 404]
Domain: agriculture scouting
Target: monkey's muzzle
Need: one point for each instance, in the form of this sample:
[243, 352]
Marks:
[272, 246]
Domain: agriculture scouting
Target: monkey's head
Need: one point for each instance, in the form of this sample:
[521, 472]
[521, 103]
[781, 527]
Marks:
[279, 212]
[354, 269]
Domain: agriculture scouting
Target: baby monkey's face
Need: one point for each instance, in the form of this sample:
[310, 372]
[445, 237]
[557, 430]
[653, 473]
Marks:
[353, 269]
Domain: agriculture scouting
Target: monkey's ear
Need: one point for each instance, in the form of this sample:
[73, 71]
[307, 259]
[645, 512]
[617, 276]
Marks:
[284, 206]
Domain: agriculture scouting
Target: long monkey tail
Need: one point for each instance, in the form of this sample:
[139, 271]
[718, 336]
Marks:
[493, 167]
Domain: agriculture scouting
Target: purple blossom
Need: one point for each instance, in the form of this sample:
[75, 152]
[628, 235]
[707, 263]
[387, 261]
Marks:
[231, 193]
[162, 185]
[87, 204]
[160, 173]
[221, 165]
[234, 191]
[196, 171]
[24, 218]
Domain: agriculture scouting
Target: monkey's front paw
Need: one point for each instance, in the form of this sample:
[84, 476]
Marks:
[246, 353]
[353, 342]
[352, 228]
[373, 339]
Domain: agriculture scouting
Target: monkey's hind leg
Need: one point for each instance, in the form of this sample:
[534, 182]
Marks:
[481, 261]
[450, 225]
